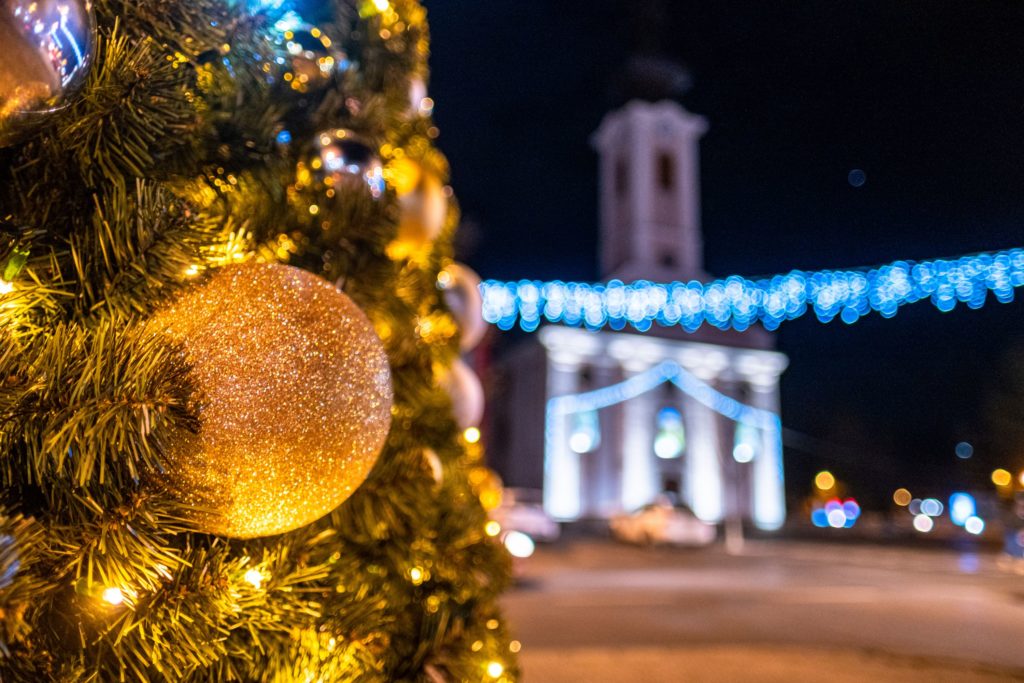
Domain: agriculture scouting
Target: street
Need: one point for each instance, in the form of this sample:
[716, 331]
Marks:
[783, 611]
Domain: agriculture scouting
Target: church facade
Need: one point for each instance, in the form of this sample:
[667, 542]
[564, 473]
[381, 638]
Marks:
[605, 422]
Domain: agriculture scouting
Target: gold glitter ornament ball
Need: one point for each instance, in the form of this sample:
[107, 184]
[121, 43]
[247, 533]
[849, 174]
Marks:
[293, 397]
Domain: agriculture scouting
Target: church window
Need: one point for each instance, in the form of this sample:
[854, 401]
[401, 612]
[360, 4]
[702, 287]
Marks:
[666, 171]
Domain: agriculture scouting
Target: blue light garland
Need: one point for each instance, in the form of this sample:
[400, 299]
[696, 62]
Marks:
[666, 371]
[737, 302]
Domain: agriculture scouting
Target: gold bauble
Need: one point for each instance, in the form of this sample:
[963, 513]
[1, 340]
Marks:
[293, 397]
[423, 201]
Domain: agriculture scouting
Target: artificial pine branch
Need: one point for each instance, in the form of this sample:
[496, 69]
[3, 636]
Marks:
[166, 166]
[137, 112]
[83, 405]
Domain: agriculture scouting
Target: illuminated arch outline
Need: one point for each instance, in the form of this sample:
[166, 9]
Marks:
[561, 491]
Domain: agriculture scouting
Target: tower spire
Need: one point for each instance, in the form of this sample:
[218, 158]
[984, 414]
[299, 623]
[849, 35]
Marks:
[648, 19]
[649, 74]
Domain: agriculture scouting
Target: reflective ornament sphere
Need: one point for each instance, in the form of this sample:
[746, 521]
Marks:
[461, 290]
[433, 461]
[345, 158]
[308, 59]
[293, 394]
[48, 46]
[424, 204]
[467, 394]
[419, 103]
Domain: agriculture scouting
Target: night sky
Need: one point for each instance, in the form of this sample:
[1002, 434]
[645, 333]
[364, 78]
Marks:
[926, 97]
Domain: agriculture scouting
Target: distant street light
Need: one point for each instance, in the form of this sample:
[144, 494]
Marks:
[902, 497]
[825, 481]
[964, 450]
[1001, 477]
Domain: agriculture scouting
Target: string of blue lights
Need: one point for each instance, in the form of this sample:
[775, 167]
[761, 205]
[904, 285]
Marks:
[666, 371]
[737, 302]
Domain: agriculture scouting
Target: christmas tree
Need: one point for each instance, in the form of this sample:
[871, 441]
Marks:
[230, 328]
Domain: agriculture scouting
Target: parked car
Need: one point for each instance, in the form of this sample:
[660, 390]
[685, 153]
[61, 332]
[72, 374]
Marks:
[663, 523]
[518, 512]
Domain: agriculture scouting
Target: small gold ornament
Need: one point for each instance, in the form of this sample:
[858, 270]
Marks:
[293, 397]
[423, 200]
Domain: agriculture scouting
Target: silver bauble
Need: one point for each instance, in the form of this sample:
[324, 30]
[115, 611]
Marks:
[466, 393]
[345, 157]
[461, 290]
[419, 103]
[48, 46]
[310, 59]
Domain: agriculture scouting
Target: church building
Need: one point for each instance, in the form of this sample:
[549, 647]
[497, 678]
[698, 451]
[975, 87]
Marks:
[607, 421]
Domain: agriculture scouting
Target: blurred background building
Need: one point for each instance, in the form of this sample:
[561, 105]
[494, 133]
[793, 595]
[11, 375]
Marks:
[655, 414]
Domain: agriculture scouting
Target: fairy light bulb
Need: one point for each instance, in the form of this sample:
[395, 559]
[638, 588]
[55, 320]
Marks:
[254, 577]
[113, 596]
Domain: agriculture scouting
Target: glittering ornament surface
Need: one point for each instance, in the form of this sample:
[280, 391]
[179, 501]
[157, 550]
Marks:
[294, 398]
[48, 45]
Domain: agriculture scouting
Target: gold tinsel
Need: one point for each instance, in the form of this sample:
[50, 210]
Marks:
[294, 399]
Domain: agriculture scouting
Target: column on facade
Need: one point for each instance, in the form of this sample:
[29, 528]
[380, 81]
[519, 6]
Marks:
[736, 496]
[704, 481]
[769, 508]
[601, 469]
[639, 474]
[562, 499]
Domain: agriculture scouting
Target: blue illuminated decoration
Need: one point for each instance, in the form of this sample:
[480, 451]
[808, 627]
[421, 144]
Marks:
[561, 497]
[737, 302]
[666, 371]
[269, 4]
[586, 433]
[291, 21]
[745, 442]
[670, 441]
[962, 507]
[835, 513]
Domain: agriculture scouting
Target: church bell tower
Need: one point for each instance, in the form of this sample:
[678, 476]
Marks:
[650, 192]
